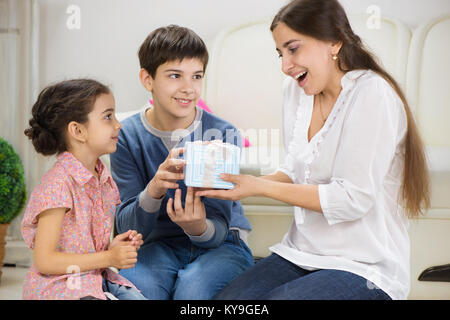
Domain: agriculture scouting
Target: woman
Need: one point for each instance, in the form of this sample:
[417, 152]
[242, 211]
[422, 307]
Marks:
[355, 168]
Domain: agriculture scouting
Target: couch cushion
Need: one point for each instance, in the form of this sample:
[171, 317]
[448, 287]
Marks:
[438, 158]
[261, 159]
[263, 201]
[427, 80]
[244, 79]
[389, 41]
[440, 189]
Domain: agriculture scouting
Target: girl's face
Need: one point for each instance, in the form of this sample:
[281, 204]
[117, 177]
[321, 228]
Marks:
[102, 128]
[308, 60]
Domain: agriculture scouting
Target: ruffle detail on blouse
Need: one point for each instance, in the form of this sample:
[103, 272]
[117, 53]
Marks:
[304, 152]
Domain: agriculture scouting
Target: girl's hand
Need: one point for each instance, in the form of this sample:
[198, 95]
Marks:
[119, 238]
[122, 254]
[244, 186]
[169, 172]
[131, 236]
[192, 219]
[136, 239]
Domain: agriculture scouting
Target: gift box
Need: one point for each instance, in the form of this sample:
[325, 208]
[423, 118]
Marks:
[205, 161]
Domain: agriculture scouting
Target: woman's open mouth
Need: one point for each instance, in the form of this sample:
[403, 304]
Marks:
[301, 78]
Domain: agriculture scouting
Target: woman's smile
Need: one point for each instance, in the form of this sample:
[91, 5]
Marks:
[301, 78]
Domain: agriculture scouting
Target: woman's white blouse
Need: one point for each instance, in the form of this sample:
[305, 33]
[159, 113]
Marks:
[356, 160]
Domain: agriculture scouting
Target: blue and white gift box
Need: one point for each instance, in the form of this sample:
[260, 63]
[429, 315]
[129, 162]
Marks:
[205, 161]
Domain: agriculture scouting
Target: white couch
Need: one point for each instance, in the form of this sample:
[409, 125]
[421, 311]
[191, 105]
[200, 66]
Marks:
[243, 86]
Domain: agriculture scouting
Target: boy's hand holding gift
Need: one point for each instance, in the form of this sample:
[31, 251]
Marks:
[214, 167]
[204, 162]
[207, 160]
[169, 172]
[192, 219]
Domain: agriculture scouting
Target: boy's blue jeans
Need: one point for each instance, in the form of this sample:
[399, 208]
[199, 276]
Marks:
[275, 278]
[176, 269]
[121, 292]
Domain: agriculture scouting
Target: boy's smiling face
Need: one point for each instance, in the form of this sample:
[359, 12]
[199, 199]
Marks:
[176, 88]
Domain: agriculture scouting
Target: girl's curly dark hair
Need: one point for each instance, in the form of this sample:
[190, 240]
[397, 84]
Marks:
[58, 105]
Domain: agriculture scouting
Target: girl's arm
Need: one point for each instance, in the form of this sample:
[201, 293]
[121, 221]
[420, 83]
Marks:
[48, 260]
[137, 210]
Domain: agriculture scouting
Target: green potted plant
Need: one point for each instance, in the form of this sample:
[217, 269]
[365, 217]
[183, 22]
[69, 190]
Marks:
[12, 191]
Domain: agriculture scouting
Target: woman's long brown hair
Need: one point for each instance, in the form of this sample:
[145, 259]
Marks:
[326, 20]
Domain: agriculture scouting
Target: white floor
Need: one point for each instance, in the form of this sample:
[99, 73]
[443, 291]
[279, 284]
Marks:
[11, 283]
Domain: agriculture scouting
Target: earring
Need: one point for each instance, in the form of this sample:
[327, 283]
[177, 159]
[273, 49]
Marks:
[335, 56]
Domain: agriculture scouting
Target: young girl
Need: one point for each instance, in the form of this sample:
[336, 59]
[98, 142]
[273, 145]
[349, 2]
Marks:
[69, 217]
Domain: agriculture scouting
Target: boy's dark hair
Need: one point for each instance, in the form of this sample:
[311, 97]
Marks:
[169, 44]
[58, 105]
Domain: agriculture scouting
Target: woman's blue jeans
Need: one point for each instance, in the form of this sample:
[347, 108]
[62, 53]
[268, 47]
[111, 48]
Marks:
[176, 269]
[275, 278]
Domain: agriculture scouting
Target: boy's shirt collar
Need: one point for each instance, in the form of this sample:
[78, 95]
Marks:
[164, 134]
[170, 139]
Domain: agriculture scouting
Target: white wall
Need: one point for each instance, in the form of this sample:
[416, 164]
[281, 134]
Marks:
[105, 47]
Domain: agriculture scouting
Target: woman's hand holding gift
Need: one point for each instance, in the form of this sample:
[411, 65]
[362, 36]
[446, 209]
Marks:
[244, 186]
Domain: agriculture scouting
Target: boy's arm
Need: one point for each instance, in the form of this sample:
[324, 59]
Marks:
[217, 219]
[137, 210]
[218, 211]
[194, 221]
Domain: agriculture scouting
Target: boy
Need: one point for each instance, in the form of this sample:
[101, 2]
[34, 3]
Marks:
[193, 246]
